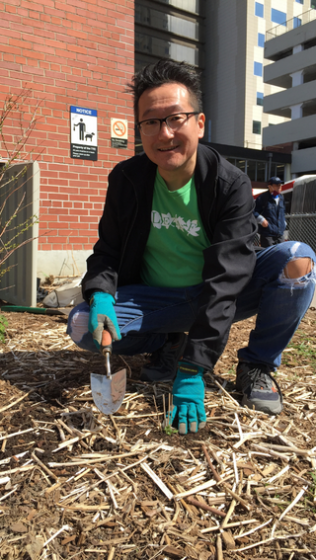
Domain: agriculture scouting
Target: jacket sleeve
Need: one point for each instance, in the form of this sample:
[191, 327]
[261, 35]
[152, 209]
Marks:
[258, 207]
[103, 264]
[229, 265]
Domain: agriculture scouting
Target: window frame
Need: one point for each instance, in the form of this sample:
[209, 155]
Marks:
[261, 37]
[274, 12]
[254, 69]
[261, 98]
[253, 127]
[259, 7]
[296, 19]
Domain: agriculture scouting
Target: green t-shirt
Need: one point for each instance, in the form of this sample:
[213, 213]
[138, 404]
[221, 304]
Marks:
[173, 255]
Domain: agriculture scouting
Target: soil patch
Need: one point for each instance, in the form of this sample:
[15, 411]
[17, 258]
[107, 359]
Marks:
[77, 484]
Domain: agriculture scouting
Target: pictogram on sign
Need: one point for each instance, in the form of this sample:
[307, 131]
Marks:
[119, 133]
[83, 133]
[119, 128]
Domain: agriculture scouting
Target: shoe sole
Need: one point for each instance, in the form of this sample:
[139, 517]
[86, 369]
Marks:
[271, 410]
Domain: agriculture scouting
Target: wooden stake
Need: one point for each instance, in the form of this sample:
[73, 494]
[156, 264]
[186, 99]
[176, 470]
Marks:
[206, 507]
[46, 469]
[219, 548]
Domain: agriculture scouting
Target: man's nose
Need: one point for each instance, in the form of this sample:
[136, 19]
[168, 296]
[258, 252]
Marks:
[165, 131]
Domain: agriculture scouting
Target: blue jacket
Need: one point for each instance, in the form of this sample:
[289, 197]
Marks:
[272, 211]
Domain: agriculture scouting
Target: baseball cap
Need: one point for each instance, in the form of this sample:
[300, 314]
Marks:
[275, 181]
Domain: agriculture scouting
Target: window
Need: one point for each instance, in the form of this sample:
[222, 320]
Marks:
[260, 40]
[187, 5]
[313, 4]
[251, 168]
[165, 49]
[258, 9]
[259, 98]
[300, 1]
[241, 164]
[278, 17]
[166, 22]
[256, 127]
[296, 22]
[258, 69]
[277, 170]
[261, 171]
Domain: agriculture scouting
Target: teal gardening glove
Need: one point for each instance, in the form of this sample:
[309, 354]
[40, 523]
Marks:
[102, 316]
[188, 398]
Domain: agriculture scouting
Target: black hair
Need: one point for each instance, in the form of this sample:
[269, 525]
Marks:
[167, 71]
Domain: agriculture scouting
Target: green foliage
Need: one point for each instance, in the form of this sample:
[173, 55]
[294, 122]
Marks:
[3, 325]
[169, 430]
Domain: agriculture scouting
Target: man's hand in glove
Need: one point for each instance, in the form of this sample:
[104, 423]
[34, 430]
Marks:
[102, 316]
[188, 398]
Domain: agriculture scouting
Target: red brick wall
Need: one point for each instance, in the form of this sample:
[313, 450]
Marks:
[76, 52]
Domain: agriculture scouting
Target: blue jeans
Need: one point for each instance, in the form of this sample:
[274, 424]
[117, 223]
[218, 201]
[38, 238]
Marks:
[147, 314]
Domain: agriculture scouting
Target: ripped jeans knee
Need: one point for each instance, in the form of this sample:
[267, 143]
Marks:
[300, 270]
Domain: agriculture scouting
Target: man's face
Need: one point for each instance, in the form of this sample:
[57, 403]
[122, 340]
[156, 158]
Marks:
[275, 188]
[172, 150]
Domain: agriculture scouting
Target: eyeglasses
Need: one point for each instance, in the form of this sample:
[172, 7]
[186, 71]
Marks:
[150, 127]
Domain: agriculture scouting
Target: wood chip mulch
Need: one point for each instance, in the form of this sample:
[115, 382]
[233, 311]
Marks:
[77, 484]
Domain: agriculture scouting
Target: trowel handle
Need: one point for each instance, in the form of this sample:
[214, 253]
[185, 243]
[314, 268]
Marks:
[106, 348]
[106, 343]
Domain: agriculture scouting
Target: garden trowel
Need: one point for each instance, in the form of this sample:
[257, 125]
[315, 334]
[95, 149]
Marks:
[108, 390]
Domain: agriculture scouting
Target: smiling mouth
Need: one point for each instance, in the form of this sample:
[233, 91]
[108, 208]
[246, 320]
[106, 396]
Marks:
[167, 149]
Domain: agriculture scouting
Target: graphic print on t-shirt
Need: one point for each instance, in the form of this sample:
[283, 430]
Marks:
[173, 256]
[166, 220]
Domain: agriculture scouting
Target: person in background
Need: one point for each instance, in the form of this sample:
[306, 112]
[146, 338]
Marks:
[270, 214]
[175, 255]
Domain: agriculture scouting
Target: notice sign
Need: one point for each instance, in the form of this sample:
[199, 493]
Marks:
[119, 133]
[83, 133]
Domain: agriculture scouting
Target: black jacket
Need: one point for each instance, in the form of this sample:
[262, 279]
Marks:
[267, 207]
[226, 207]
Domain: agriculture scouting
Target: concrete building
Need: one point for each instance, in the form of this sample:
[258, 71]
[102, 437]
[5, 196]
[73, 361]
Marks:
[234, 65]
[293, 68]
[225, 40]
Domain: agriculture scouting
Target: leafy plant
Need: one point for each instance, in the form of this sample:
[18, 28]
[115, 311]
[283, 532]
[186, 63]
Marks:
[170, 431]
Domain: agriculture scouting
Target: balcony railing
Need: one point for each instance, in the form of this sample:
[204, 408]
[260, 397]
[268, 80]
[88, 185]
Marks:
[292, 23]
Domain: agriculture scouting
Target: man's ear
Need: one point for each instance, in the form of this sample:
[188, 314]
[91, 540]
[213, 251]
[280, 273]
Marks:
[201, 124]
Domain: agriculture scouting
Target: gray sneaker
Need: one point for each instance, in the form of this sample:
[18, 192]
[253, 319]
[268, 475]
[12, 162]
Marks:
[162, 365]
[260, 390]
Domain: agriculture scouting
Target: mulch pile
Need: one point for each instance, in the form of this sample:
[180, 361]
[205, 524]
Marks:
[77, 484]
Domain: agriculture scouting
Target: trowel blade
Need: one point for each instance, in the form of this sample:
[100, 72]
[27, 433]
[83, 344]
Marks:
[108, 393]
